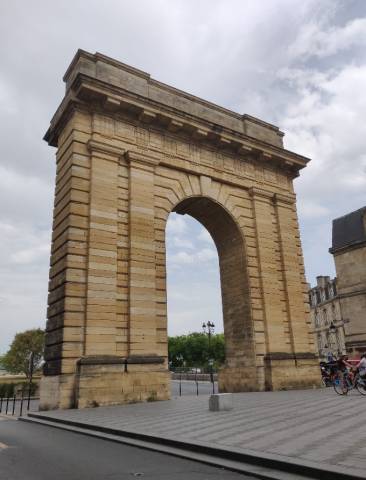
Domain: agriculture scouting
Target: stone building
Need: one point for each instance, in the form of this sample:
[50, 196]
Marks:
[349, 252]
[326, 316]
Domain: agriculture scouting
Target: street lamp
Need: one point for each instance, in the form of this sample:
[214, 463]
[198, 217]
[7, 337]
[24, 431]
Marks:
[30, 372]
[333, 341]
[209, 329]
[180, 359]
[332, 328]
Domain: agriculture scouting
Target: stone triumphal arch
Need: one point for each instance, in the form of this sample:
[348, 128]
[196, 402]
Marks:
[130, 150]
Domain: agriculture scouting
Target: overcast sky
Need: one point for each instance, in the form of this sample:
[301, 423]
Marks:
[300, 64]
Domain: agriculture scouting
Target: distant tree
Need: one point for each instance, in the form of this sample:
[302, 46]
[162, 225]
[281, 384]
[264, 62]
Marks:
[16, 360]
[218, 349]
[192, 350]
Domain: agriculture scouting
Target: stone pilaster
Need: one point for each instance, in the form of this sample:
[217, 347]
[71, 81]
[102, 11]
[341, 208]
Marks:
[292, 273]
[267, 251]
[142, 260]
[101, 314]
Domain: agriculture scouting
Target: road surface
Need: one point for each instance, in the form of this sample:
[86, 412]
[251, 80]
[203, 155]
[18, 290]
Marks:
[36, 452]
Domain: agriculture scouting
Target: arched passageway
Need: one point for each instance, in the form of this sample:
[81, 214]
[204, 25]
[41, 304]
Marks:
[237, 318]
[193, 277]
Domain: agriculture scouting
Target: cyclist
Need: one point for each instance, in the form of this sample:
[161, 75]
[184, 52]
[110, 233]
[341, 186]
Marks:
[361, 366]
[343, 364]
[344, 367]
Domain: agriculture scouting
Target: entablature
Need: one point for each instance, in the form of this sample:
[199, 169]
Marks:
[89, 86]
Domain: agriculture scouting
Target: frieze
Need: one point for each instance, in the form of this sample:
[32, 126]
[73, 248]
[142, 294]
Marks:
[269, 175]
[156, 139]
[142, 136]
[218, 161]
[125, 130]
[103, 124]
[171, 147]
[182, 149]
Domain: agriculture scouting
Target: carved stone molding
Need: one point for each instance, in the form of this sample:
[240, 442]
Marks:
[100, 147]
[148, 159]
[281, 199]
[259, 193]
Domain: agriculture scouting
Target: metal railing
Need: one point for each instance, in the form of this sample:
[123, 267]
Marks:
[18, 403]
[193, 381]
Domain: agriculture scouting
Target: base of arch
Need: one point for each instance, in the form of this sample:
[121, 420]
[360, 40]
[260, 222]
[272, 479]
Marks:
[239, 379]
[279, 371]
[107, 380]
[285, 371]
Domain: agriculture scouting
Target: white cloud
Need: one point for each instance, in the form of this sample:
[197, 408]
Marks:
[204, 236]
[180, 242]
[317, 40]
[327, 123]
[176, 224]
[32, 254]
[198, 257]
[308, 209]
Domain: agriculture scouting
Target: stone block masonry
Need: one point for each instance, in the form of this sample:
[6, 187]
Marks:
[130, 150]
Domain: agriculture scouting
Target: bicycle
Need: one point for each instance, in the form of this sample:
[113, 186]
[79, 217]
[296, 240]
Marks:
[343, 384]
[358, 383]
[340, 384]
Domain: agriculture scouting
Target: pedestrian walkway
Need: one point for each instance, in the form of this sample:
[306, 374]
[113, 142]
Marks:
[309, 425]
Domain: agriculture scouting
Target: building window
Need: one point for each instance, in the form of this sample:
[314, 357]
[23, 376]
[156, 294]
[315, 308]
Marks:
[318, 299]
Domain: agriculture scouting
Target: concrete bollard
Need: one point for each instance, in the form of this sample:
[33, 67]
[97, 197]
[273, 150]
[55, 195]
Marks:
[221, 401]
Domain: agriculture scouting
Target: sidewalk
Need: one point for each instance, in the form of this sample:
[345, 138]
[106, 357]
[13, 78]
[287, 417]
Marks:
[300, 426]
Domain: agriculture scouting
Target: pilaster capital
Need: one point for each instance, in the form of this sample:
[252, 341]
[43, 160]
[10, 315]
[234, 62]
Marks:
[95, 146]
[255, 192]
[281, 199]
[142, 158]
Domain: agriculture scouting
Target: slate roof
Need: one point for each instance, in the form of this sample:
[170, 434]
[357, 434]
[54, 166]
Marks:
[348, 230]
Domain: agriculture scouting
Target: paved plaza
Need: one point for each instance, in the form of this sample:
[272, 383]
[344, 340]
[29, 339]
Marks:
[307, 425]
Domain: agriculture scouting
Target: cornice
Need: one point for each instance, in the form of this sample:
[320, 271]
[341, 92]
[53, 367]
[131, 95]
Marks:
[347, 248]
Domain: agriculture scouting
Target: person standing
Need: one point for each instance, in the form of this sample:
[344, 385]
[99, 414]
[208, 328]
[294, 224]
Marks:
[361, 366]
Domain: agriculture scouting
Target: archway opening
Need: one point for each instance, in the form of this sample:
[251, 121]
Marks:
[193, 296]
[234, 286]
[193, 276]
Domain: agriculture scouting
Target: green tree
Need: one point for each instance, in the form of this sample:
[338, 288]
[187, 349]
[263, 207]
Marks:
[16, 360]
[192, 350]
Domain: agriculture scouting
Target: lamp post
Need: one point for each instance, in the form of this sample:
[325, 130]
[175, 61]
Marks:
[179, 358]
[332, 328]
[30, 370]
[333, 340]
[209, 329]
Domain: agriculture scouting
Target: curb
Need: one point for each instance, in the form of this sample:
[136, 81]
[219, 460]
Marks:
[269, 465]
